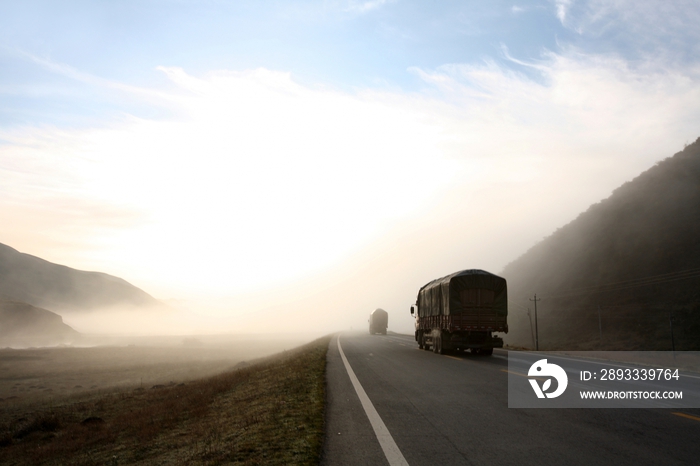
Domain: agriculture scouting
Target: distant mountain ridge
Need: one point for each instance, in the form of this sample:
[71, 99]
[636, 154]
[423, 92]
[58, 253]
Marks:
[22, 324]
[623, 273]
[29, 279]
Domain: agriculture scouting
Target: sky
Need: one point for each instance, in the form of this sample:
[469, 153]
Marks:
[262, 165]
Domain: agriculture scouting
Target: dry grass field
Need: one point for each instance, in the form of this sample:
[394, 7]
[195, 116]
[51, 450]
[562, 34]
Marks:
[267, 412]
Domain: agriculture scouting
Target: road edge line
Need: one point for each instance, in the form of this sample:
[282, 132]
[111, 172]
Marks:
[386, 441]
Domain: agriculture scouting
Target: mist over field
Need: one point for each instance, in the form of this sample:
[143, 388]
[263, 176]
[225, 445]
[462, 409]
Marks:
[295, 176]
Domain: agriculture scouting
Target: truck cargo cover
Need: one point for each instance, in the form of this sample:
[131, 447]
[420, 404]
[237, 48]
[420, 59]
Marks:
[439, 296]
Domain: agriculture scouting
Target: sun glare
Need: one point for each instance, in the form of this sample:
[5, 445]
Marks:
[254, 173]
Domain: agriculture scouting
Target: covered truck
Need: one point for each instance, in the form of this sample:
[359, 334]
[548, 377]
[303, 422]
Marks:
[378, 321]
[462, 311]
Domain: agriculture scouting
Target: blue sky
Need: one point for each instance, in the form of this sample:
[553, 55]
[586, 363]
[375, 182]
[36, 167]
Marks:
[344, 45]
[290, 150]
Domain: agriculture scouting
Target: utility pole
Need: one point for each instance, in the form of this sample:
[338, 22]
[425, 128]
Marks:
[600, 325]
[532, 330]
[537, 333]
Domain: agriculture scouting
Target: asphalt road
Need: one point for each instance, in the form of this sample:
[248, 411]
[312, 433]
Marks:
[453, 409]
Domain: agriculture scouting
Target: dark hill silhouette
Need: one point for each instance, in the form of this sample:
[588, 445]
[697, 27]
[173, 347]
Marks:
[24, 325]
[634, 256]
[29, 279]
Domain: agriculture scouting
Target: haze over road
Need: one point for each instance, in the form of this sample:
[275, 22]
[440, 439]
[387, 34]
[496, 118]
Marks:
[453, 409]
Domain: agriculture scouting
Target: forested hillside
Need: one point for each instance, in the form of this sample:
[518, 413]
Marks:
[625, 274]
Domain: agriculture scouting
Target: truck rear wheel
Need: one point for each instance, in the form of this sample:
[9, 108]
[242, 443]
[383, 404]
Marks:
[486, 352]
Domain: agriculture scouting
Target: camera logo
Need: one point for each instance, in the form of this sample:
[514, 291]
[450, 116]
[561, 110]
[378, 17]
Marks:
[542, 368]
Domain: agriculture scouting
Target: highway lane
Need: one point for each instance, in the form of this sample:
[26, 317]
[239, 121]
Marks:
[454, 410]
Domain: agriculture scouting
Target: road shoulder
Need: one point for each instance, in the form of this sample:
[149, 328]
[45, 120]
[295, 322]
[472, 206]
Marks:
[349, 438]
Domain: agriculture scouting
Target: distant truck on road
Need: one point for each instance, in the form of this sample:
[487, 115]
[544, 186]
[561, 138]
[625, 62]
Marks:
[461, 311]
[378, 321]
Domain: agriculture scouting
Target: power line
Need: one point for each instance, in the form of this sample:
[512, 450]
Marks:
[627, 284]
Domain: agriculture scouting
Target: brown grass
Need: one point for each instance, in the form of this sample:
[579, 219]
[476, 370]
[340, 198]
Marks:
[267, 413]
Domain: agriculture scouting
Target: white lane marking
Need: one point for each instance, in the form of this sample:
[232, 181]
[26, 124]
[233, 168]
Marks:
[391, 450]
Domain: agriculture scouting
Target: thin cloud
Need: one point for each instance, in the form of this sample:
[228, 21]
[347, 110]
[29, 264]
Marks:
[562, 9]
[150, 95]
[366, 6]
[583, 92]
[662, 29]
